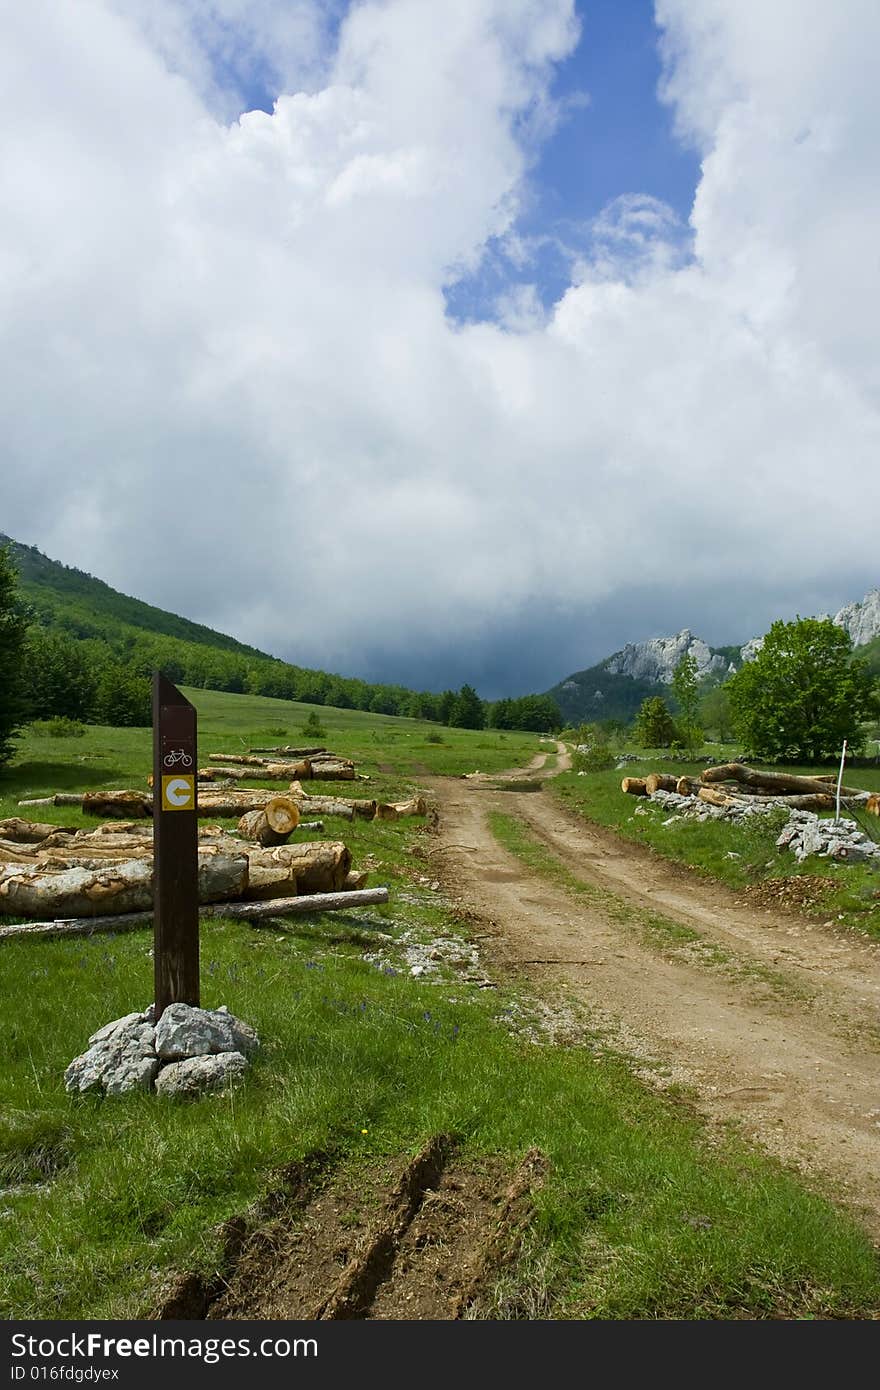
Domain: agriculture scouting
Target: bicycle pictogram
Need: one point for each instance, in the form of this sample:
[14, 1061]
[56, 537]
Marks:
[177, 755]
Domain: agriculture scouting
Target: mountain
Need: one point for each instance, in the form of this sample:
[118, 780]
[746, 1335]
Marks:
[616, 687]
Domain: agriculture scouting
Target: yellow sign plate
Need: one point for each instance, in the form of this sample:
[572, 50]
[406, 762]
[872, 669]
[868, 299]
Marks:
[179, 793]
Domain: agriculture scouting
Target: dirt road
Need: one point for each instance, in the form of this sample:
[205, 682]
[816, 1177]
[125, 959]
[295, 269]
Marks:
[770, 1020]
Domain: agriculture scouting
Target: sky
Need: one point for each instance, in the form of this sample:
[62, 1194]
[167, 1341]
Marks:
[441, 343]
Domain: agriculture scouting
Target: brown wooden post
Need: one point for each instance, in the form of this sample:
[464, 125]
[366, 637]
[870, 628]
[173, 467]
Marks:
[175, 848]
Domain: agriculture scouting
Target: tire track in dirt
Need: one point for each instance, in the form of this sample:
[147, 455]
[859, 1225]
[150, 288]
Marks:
[794, 1073]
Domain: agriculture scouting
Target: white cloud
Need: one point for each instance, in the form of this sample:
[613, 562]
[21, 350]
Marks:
[230, 386]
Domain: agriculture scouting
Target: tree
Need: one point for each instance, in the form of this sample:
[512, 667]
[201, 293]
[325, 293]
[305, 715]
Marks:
[60, 675]
[13, 628]
[685, 688]
[803, 694]
[468, 711]
[715, 713]
[655, 727]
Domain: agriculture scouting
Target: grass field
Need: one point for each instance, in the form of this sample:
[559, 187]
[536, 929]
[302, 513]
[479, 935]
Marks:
[737, 855]
[644, 1215]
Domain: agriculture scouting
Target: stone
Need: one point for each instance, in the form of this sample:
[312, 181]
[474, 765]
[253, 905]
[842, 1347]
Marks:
[195, 1075]
[187, 1031]
[124, 1060]
[127, 1021]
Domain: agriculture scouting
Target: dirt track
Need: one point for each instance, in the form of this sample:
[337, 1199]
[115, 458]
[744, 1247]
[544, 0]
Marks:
[770, 1020]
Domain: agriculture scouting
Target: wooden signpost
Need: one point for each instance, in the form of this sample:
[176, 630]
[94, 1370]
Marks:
[175, 848]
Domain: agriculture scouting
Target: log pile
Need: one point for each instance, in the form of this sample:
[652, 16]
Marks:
[317, 763]
[735, 789]
[735, 792]
[55, 872]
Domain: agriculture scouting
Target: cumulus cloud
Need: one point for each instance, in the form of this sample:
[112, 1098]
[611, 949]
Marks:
[231, 384]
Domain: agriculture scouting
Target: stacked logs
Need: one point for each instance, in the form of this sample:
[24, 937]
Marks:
[48, 871]
[317, 763]
[735, 784]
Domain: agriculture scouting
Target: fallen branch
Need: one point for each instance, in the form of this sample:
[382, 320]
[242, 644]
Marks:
[133, 921]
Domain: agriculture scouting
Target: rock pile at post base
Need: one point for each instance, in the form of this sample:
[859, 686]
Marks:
[189, 1051]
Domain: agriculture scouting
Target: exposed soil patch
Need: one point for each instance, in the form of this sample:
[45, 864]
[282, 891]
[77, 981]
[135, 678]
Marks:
[798, 892]
[798, 1072]
[420, 1240]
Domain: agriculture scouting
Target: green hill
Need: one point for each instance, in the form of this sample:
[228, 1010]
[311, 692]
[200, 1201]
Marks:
[599, 694]
[107, 626]
[76, 602]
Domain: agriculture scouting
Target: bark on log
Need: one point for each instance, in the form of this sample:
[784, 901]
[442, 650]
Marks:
[36, 890]
[315, 866]
[633, 786]
[14, 852]
[134, 921]
[807, 801]
[232, 802]
[326, 805]
[266, 772]
[780, 783]
[58, 799]
[660, 782]
[245, 759]
[288, 752]
[126, 805]
[25, 832]
[329, 772]
[716, 796]
[272, 825]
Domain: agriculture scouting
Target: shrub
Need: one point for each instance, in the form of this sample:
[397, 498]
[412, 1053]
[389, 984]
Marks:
[59, 727]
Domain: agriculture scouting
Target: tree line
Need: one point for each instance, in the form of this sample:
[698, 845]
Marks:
[55, 665]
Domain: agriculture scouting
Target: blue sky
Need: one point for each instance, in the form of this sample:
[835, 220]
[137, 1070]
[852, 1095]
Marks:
[615, 138]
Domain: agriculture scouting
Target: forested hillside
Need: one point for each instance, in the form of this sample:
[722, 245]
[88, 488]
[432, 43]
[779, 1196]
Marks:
[91, 649]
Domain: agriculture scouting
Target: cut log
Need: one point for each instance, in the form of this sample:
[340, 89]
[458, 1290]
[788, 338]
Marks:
[330, 771]
[232, 802]
[325, 805]
[125, 804]
[660, 782]
[685, 786]
[36, 890]
[134, 921]
[716, 796]
[633, 786]
[273, 824]
[354, 882]
[58, 799]
[780, 783]
[288, 752]
[266, 772]
[315, 866]
[25, 831]
[872, 805]
[246, 759]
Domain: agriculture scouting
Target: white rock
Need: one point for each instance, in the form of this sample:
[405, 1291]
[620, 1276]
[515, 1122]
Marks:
[186, 1031]
[195, 1075]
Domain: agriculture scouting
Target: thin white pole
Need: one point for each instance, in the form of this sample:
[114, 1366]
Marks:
[840, 780]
